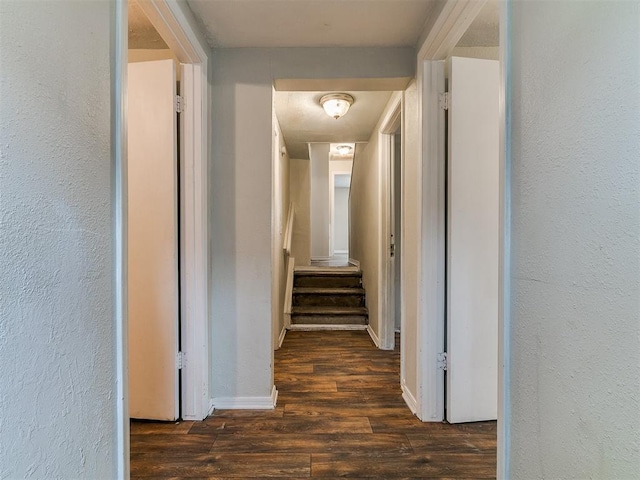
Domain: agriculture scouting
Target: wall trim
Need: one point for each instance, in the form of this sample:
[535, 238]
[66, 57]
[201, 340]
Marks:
[245, 403]
[408, 397]
[504, 305]
[118, 66]
[373, 336]
[283, 332]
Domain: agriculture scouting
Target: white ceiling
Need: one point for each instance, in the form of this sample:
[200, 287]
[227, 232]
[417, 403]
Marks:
[317, 23]
[303, 120]
[312, 23]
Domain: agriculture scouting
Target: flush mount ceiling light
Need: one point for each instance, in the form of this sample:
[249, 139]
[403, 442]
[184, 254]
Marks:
[336, 104]
[344, 149]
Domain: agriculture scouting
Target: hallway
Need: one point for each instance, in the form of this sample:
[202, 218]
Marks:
[339, 414]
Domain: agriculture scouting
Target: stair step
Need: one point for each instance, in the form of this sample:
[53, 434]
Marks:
[329, 311]
[328, 291]
[323, 279]
[329, 315]
[328, 297]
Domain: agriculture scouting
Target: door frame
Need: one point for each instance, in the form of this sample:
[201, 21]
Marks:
[386, 291]
[170, 20]
[442, 34]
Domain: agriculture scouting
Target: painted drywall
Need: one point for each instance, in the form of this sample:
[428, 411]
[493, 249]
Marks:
[341, 220]
[366, 215]
[240, 180]
[300, 190]
[281, 199]
[364, 212]
[57, 338]
[339, 167]
[574, 335]
[411, 234]
[320, 203]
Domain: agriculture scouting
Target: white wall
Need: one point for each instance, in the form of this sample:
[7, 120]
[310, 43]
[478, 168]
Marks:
[411, 234]
[366, 217]
[339, 167]
[240, 197]
[341, 219]
[281, 199]
[364, 212]
[575, 269]
[57, 338]
[300, 191]
[320, 212]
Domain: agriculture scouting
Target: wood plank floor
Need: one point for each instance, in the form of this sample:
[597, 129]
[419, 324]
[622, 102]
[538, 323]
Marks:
[340, 414]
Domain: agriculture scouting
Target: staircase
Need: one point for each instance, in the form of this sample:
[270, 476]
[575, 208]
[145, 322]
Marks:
[328, 298]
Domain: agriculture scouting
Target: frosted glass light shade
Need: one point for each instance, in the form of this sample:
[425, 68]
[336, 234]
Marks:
[336, 104]
[344, 149]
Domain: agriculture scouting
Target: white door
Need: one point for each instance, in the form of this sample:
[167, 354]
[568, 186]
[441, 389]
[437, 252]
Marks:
[473, 229]
[153, 241]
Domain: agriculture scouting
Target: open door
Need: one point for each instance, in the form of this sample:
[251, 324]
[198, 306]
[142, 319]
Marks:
[473, 240]
[153, 241]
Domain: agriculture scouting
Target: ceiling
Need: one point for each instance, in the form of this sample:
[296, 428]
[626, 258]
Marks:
[316, 23]
[303, 120]
[312, 23]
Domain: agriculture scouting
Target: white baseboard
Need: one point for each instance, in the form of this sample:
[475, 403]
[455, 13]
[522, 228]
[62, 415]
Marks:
[373, 336]
[408, 397]
[311, 327]
[245, 403]
[282, 334]
[355, 263]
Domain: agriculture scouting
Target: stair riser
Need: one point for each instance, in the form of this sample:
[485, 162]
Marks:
[329, 320]
[328, 300]
[327, 282]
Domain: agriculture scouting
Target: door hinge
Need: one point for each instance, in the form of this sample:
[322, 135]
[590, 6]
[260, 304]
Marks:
[179, 104]
[441, 361]
[180, 360]
[444, 100]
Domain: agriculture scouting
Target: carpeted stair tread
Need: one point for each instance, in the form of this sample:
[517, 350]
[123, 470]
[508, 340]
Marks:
[328, 291]
[328, 273]
[325, 311]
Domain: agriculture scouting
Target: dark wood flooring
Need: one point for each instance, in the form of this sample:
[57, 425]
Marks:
[340, 414]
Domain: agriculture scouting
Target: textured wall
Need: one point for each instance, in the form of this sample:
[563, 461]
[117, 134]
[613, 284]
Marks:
[364, 212]
[341, 219]
[575, 298]
[411, 224]
[57, 342]
[320, 215]
[300, 188]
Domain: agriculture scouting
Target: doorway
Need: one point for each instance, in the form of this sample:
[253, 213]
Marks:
[340, 184]
[174, 27]
[391, 187]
